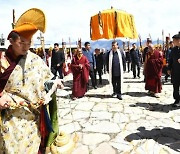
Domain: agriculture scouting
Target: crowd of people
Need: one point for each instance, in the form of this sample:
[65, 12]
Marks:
[153, 59]
[25, 79]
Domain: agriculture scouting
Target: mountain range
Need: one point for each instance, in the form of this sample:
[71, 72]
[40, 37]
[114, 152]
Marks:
[94, 44]
[100, 43]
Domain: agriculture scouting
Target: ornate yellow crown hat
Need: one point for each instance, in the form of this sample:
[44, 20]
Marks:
[29, 22]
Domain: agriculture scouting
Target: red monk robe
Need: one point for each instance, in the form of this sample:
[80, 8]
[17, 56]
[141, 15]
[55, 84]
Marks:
[153, 71]
[80, 75]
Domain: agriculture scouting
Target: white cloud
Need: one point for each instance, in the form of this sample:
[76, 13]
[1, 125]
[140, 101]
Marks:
[71, 18]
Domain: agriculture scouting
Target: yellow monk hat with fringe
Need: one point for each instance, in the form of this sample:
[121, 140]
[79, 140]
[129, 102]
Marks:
[30, 22]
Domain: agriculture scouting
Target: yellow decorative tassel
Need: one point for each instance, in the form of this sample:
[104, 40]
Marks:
[63, 144]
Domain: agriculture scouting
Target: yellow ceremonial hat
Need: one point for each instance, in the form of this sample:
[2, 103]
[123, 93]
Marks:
[29, 22]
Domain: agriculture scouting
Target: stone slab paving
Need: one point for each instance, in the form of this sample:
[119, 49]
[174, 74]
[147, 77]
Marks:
[138, 124]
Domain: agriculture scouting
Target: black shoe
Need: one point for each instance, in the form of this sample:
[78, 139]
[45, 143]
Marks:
[134, 77]
[54, 78]
[139, 77]
[176, 103]
[95, 87]
[114, 95]
[119, 97]
[166, 78]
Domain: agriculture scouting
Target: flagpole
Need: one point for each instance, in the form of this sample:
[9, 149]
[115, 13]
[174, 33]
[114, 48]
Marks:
[13, 23]
[43, 46]
[163, 38]
[140, 43]
[70, 48]
[62, 42]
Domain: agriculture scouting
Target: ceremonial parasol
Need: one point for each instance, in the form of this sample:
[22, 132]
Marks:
[112, 23]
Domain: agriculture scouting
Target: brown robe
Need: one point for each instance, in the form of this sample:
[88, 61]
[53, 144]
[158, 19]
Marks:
[80, 76]
[153, 71]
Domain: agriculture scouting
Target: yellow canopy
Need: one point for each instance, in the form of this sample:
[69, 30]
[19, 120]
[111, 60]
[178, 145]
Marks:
[111, 24]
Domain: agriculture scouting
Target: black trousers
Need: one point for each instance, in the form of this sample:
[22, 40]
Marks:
[100, 75]
[129, 66]
[134, 66]
[59, 70]
[176, 94]
[92, 76]
[164, 70]
[104, 68]
[116, 82]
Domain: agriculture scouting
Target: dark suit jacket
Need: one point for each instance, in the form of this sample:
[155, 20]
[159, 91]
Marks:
[99, 61]
[57, 58]
[123, 60]
[174, 66]
[135, 58]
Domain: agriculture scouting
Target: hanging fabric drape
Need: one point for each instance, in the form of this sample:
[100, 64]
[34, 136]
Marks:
[112, 23]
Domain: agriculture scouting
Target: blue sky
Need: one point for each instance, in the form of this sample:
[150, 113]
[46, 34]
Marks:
[71, 18]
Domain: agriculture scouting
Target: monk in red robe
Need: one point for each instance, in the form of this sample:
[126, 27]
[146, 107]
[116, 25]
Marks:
[153, 71]
[80, 69]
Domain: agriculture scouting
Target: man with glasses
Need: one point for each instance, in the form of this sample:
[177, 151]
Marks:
[115, 69]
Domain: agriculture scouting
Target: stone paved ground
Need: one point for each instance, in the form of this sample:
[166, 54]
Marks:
[138, 124]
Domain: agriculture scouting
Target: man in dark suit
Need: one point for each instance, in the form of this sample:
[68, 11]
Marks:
[115, 60]
[174, 68]
[135, 59]
[57, 61]
[104, 54]
[167, 54]
[99, 65]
